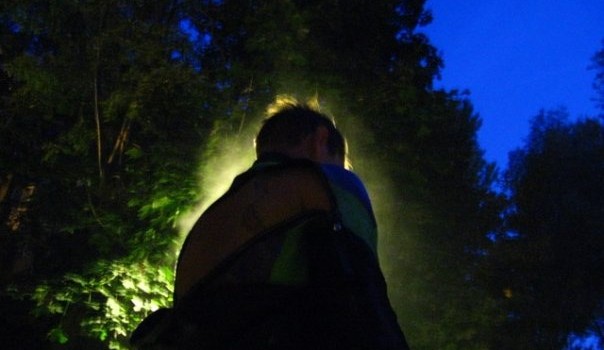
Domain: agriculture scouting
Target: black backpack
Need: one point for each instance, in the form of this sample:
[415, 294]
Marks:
[343, 305]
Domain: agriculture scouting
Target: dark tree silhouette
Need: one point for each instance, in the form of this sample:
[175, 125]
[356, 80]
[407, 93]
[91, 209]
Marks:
[551, 263]
[598, 66]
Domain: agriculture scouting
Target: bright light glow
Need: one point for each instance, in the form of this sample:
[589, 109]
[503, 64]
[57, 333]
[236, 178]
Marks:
[114, 307]
[282, 100]
[128, 284]
[138, 303]
[230, 157]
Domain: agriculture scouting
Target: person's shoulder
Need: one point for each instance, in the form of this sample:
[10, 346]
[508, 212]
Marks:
[346, 179]
[337, 172]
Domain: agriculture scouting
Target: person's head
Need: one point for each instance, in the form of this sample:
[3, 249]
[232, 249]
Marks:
[300, 131]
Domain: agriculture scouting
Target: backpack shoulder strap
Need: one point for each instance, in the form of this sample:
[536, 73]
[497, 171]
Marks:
[260, 200]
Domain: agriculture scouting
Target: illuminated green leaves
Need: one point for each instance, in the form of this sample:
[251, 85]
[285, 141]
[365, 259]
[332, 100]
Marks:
[57, 335]
[114, 301]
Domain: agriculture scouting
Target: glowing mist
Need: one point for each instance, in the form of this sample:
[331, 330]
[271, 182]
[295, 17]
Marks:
[229, 157]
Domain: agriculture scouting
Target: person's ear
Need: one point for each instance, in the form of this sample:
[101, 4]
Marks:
[320, 151]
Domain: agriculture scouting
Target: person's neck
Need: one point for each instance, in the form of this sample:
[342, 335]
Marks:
[274, 157]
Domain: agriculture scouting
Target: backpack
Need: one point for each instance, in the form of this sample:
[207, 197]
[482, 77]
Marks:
[241, 298]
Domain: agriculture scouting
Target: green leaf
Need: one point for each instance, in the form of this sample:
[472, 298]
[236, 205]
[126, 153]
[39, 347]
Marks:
[57, 335]
[134, 152]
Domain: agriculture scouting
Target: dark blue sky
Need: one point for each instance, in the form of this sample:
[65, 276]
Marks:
[517, 57]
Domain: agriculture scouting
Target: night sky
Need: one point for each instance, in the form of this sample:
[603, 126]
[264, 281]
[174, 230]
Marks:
[517, 57]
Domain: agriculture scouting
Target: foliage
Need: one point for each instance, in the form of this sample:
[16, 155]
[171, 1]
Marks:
[551, 263]
[416, 146]
[447, 208]
[598, 66]
[110, 300]
[105, 124]
[112, 108]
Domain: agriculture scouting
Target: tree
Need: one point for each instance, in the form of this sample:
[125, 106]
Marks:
[374, 69]
[598, 66]
[446, 209]
[100, 117]
[550, 261]
[114, 96]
